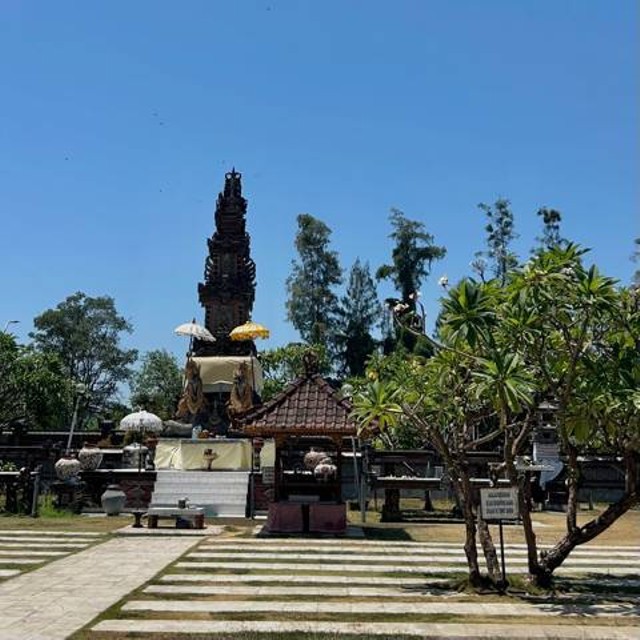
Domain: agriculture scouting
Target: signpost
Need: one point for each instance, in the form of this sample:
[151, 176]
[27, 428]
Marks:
[497, 505]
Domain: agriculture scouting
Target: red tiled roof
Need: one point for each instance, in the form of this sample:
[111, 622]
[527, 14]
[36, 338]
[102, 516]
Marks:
[310, 404]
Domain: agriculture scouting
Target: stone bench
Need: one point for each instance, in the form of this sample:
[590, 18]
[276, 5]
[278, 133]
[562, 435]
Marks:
[196, 514]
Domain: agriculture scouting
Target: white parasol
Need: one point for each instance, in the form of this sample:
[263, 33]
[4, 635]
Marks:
[141, 421]
[194, 330]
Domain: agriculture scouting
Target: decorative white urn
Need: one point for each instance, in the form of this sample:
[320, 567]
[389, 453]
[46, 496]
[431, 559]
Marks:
[313, 458]
[90, 457]
[325, 471]
[67, 468]
[113, 500]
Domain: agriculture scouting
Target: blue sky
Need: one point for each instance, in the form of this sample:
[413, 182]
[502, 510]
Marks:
[119, 119]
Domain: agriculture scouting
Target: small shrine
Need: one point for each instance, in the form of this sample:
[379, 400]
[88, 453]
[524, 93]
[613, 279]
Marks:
[308, 422]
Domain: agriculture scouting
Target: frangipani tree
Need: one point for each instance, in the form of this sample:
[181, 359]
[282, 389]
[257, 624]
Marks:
[554, 329]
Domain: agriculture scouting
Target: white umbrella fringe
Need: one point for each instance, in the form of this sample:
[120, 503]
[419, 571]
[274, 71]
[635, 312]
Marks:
[143, 421]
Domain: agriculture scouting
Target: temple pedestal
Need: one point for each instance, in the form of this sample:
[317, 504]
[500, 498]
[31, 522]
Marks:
[297, 517]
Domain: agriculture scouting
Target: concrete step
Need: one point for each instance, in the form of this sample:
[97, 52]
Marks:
[219, 493]
[217, 510]
[198, 498]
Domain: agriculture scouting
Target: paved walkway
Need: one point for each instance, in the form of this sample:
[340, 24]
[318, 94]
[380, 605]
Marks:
[341, 582]
[63, 596]
[21, 550]
[425, 631]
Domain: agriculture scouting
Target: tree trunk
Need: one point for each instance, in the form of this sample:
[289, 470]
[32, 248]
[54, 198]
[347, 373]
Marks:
[580, 535]
[463, 487]
[527, 524]
[489, 549]
[572, 486]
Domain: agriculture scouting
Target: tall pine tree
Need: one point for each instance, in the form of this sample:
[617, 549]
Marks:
[550, 238]
[500, 235]
[360, 312]
[312, 303]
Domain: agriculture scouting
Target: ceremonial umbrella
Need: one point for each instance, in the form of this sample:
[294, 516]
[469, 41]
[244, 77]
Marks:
[194, 330]
[141, 421]
[249, 331]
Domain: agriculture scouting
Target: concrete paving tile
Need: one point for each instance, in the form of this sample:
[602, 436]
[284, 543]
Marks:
[407, 549]
[284, 578]
[10, 553]
[300, 591]
[427, 569]
[31, 533]
[106, 572]
[425, 631]
[8, 573]
[475, 608]
[417, 559]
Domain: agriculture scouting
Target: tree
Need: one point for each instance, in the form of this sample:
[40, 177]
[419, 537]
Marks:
[500, 234]
[312, 303]
[158, 384]
[555, 330]
[411, 257]
[636, 258]
[282, 365]
[359, 312]
[33, 386]
[551, 237]
[84, 334]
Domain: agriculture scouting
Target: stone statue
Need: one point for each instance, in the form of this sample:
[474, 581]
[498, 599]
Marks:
[241, 393]
[192, 402]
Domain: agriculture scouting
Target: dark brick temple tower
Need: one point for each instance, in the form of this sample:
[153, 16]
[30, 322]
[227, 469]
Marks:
[228, 291]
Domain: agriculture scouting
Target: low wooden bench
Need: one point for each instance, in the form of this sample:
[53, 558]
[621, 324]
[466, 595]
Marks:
[196, 514]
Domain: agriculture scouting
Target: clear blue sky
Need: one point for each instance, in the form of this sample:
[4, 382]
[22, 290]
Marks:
[119, 119]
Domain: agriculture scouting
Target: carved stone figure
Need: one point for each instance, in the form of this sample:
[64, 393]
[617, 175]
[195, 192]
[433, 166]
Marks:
[192, 402]
[241, 393]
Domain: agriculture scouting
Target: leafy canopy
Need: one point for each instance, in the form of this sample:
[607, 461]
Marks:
[84, 333]
[158, 384]
[413, 254]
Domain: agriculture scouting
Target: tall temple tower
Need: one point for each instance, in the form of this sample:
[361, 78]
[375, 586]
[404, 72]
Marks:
[228, 290]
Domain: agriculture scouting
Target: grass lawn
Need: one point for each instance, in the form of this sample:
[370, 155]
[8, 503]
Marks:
[65, 523]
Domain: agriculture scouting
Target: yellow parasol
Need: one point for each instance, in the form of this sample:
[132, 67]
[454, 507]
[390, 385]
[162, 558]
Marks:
[249, 331]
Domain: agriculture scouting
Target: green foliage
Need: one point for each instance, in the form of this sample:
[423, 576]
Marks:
[551, 237]
[312, 304]
[636, 258]
[33, 386]
[556, 329]
[157, 386]
[282, 365]
[377, 410]
[468, 313]
[84, 334]
[505, 381]
[500, 234]
[413, 254]
[359, 312]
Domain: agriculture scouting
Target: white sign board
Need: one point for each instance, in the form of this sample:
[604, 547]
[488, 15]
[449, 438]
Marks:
[499, 504]
[268, 475]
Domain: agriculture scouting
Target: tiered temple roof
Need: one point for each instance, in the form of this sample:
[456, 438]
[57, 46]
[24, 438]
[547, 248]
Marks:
[308, 406]
[228, 292]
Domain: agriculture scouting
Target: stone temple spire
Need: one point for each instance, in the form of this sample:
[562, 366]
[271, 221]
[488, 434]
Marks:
[228, 290]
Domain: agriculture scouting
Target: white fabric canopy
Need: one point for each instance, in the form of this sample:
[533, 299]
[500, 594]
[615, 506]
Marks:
[217, 372]
[142, 421]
